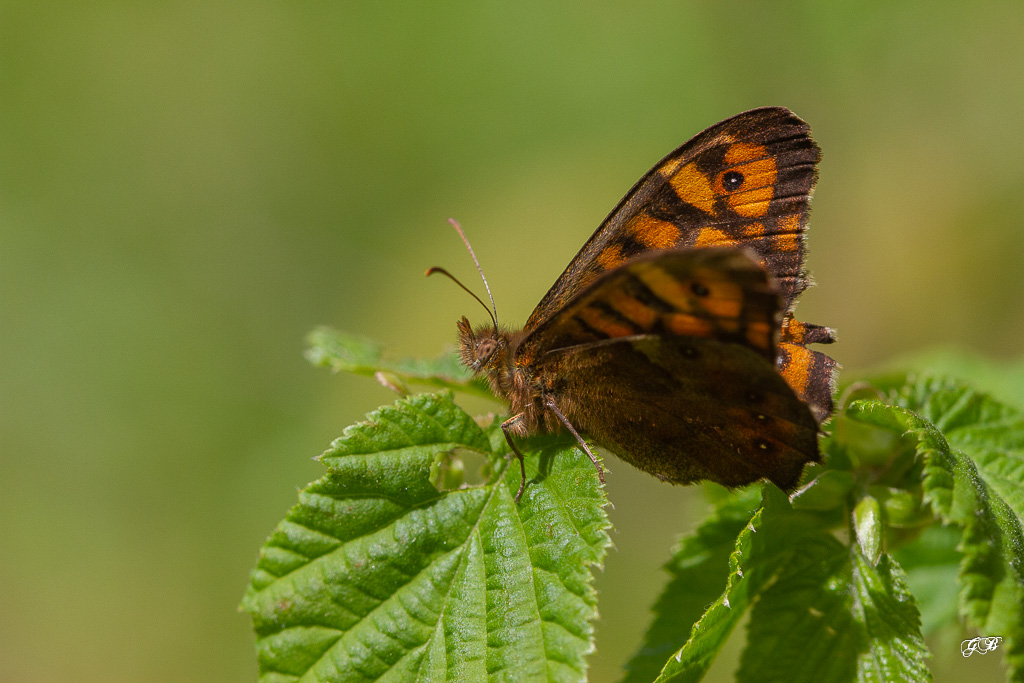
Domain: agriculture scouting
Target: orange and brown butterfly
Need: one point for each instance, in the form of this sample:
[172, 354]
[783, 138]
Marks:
[670, 338]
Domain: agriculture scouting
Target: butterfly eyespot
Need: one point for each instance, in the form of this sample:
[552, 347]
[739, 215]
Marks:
[754, 397]
[732, 180]
[699, 289]
[764, 445]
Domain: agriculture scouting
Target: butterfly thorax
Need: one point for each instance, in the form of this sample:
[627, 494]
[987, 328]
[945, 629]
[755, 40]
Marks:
[492, 351]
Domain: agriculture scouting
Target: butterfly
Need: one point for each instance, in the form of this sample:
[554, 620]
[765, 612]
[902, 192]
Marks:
[670, 338]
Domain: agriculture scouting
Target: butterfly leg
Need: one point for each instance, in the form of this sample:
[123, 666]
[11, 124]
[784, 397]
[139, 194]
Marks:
[583, 444]
[505, 426]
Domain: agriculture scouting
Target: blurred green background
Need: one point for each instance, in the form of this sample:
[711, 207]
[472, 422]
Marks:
[187, 188]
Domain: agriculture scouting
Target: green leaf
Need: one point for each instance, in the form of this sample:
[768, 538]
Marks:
[378, 575]
[698, 571]
[347, 353]
[821, 611]
[802, 627]
[764, 547]
[867, 523]
[973, 478]
[833, 615]
[885, 610]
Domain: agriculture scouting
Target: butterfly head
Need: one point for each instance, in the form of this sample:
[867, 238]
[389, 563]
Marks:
[480, 348]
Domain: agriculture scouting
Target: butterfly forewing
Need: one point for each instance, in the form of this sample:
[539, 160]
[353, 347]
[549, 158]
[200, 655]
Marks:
[714, 293]
[745, 181]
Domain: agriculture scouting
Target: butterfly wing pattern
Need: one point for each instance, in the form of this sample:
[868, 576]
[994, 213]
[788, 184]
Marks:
[677, 372]
[747, 182]
[670, 337]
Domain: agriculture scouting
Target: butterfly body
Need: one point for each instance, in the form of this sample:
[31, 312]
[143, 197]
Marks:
[670, 337]
[492, 350]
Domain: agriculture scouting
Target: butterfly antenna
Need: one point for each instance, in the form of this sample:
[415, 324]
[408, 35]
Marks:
[458, 229]
[436, 269]
[493, 310]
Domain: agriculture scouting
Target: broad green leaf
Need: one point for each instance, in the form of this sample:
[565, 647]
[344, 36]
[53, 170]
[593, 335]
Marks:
[832, 615]
[347, 353]
[973, 478]
[378, 575]
[764, 547]
[821, 611]
[802, 627]
[698, 571]
[988, 432]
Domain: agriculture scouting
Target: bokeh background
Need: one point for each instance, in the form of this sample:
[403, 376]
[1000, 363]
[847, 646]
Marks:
[187, 188]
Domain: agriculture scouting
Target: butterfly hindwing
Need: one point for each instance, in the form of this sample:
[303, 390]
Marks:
[687, 409]
[811, 374]
[745, 181]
